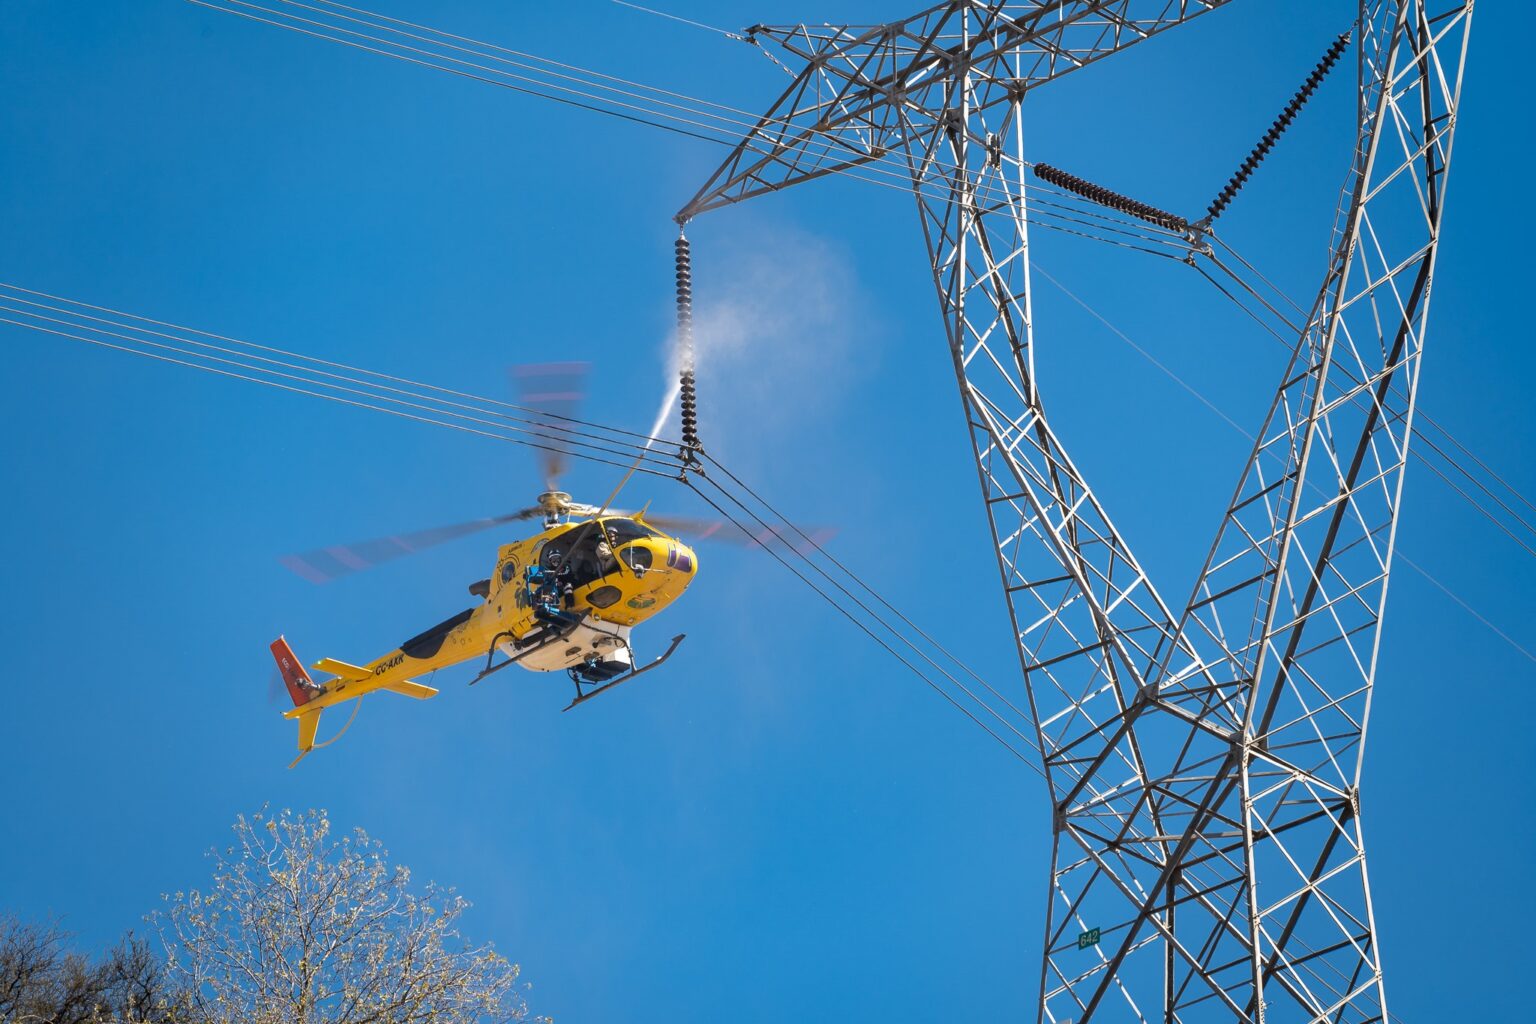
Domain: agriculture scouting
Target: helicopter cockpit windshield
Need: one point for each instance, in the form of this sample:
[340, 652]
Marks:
[591, 550]
[622, 531]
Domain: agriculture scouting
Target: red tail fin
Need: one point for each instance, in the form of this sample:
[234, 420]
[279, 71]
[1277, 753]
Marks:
[300, 687]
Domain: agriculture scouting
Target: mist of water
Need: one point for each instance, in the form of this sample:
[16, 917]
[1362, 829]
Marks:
[778, 322]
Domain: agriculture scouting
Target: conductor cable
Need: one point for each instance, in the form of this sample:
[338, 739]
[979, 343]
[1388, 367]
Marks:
[313, 394]
[734, 129]
[775, 532]
[1424, 435]
[554, 439]
[864, 627]
[1398, 552]
[197, 355]
[130, 321]
[811, 542]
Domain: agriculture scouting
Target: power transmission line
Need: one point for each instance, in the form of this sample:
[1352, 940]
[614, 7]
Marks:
[412, 400]
[685, 21]
[656, 107]
[1214, 408]
[1062, 212]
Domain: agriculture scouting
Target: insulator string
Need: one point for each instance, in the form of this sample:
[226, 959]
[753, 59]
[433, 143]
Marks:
[687, 393]
[1261, 149]
[1107, 197]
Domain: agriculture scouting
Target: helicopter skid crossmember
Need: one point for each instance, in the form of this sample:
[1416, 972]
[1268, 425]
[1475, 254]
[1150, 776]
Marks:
[584, 696]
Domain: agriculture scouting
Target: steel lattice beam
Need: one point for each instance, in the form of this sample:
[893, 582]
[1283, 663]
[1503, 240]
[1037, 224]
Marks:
[1204, 767]
[869, 91]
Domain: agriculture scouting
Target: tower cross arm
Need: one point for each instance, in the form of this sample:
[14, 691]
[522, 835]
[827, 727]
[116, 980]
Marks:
[864, 91]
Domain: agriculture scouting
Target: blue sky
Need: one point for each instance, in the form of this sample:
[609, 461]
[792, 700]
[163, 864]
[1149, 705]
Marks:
[782, 823]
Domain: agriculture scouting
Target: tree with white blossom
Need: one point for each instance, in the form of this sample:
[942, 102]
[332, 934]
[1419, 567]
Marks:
[303, 927]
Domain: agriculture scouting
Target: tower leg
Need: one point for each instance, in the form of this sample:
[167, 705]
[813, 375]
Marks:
[1204, 768]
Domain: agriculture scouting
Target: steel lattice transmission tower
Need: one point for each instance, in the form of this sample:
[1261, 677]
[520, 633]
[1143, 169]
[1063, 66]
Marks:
[1204, 760]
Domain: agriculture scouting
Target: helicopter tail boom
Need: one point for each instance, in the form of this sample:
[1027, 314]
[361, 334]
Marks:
[351, 683]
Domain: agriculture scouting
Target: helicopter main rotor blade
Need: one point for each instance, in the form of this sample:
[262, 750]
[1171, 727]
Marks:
[803, 540]
[325, 564]
[554, 390]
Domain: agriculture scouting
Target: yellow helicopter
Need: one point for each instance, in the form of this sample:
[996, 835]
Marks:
[565, 598]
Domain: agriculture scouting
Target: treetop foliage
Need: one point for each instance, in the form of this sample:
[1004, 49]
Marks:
[298, 926]
[303, 926]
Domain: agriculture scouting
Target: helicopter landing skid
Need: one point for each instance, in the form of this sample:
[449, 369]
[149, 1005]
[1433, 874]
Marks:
[582, 698]
[556, 636]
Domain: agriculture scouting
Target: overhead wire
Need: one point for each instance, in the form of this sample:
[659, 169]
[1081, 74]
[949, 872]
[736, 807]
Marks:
[808, 541]
[1421, 417]
[685, 21]
[731, 126]
[1518, 495]
[707, 123]
[1422, 458]
[1081, 218]
[573, 73]
[1062, 223]
[455, 71]
[592, 452]
[1422, 432]
[531, 56]
[1186, 386]
[733, 119]
[1425, 429]
[412, 400]
[287, 387]
[1427, 433]
[1486, 513]
[528, 414]
[843, 610]
[587, 443]
[1063, 205]
[1148, 356]
[562, 437]
[623, 94]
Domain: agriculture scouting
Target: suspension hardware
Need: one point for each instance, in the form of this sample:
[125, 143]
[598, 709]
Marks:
[1259, 152]
[1114, 200]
